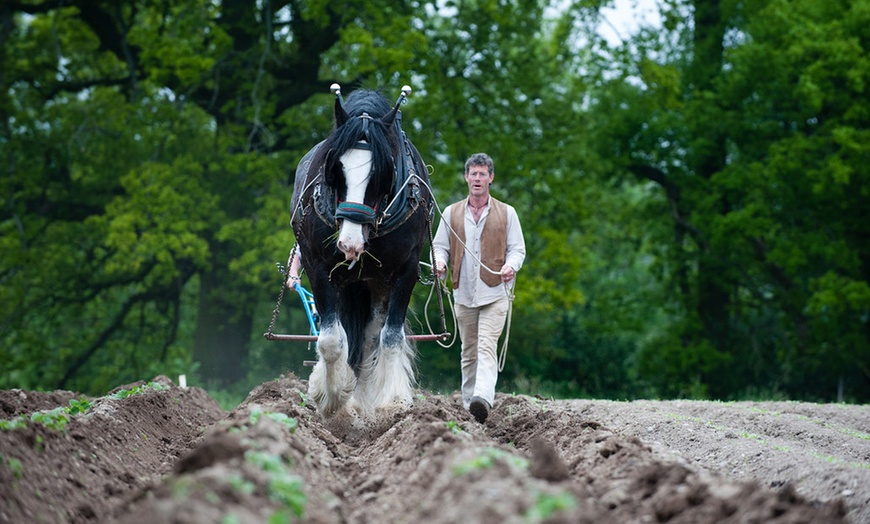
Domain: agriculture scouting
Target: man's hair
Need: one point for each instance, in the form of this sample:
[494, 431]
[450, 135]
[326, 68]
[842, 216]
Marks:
[480, 159]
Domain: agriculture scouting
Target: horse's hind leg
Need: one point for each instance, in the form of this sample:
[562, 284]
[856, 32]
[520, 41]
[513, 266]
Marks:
[332, 380]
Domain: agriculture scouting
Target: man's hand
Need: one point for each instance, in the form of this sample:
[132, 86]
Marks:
[507, 273]
[441, 269]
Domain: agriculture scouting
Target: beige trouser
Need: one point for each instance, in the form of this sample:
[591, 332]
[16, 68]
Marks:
[479, 329]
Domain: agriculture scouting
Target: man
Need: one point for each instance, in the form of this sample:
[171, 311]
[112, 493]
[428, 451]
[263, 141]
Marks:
[482, 240]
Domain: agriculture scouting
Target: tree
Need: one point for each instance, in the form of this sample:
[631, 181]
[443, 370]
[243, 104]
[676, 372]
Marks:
[144, 141]
[747, 117]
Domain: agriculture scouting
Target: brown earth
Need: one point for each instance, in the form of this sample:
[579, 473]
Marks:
[170, 454]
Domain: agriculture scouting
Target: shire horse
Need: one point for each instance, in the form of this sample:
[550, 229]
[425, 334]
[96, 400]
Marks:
[360, 210]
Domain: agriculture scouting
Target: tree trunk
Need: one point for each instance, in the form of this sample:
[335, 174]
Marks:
[223, 330]
[709, 157]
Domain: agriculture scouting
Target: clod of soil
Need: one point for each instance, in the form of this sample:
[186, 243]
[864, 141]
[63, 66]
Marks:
[170, 454]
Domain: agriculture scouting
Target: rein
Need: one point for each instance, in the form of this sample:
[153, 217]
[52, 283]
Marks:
[509, 290]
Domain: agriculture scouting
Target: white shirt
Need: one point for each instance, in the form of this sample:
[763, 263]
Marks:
[472, 291]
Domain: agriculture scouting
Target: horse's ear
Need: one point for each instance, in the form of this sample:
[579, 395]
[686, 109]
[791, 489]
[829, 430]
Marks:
[341, 115]
[390, 117]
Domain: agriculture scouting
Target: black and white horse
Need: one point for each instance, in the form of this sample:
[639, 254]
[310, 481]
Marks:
[360, 210]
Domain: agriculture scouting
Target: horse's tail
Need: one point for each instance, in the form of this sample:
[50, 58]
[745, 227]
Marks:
[355, 313]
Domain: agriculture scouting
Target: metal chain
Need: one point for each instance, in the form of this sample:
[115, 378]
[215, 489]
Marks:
[280, 299]
[285, 274]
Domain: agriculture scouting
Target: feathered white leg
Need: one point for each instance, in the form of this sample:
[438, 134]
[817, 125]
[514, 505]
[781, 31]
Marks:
[387, 378]
[332, 380]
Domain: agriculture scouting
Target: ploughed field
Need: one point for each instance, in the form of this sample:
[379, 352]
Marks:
[155, 452]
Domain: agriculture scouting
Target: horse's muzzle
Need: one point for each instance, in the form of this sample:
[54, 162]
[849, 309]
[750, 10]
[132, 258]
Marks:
[351, 252]
[352, 240]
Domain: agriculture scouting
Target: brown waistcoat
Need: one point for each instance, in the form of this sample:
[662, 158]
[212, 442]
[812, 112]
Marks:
[493, 241]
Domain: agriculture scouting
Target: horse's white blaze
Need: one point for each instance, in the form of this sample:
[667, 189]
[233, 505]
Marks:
[357, 172]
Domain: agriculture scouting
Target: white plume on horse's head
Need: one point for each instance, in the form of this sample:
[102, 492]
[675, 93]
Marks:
[340, 112]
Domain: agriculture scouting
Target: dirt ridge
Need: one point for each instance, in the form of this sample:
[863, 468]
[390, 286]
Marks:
[171, 454]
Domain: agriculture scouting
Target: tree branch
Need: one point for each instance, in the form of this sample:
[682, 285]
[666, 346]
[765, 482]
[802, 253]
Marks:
[673, 194]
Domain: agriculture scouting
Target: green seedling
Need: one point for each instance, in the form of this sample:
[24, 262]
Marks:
[548, 505]
[287, 490]
[284, 487]
[14, 466]
[124, 393]
[487, 458]
[56, 419]
[16, 423]
[453, 426]
[281, 418]
[242, 485]
[78, 407]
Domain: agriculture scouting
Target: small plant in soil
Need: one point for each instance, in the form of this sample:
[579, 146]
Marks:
[547, 505]
[486, 459]
[14, 466]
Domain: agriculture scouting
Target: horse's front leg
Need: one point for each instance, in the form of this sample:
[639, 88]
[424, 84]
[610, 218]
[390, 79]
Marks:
[332, 380]
[388, 377]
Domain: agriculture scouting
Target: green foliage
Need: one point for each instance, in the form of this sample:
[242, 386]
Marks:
[285, 488]
[78, 407]
[454, 427]
[693, 199]
[547, 505]
[15, 423]
[56, 419]
[137, 390]
[280, 418]
[485, 459]
[14, 465]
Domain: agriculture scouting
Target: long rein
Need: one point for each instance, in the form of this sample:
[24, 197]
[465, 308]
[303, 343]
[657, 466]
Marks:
[509, 289]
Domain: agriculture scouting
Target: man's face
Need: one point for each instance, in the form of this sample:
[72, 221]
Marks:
[478, 180]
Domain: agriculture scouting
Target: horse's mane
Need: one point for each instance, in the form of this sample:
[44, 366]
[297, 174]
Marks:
[383, 138]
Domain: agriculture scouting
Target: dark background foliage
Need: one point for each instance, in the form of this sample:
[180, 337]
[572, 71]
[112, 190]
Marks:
[694, 197]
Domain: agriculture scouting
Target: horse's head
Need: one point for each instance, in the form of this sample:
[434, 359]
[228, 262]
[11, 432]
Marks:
[359, 163]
